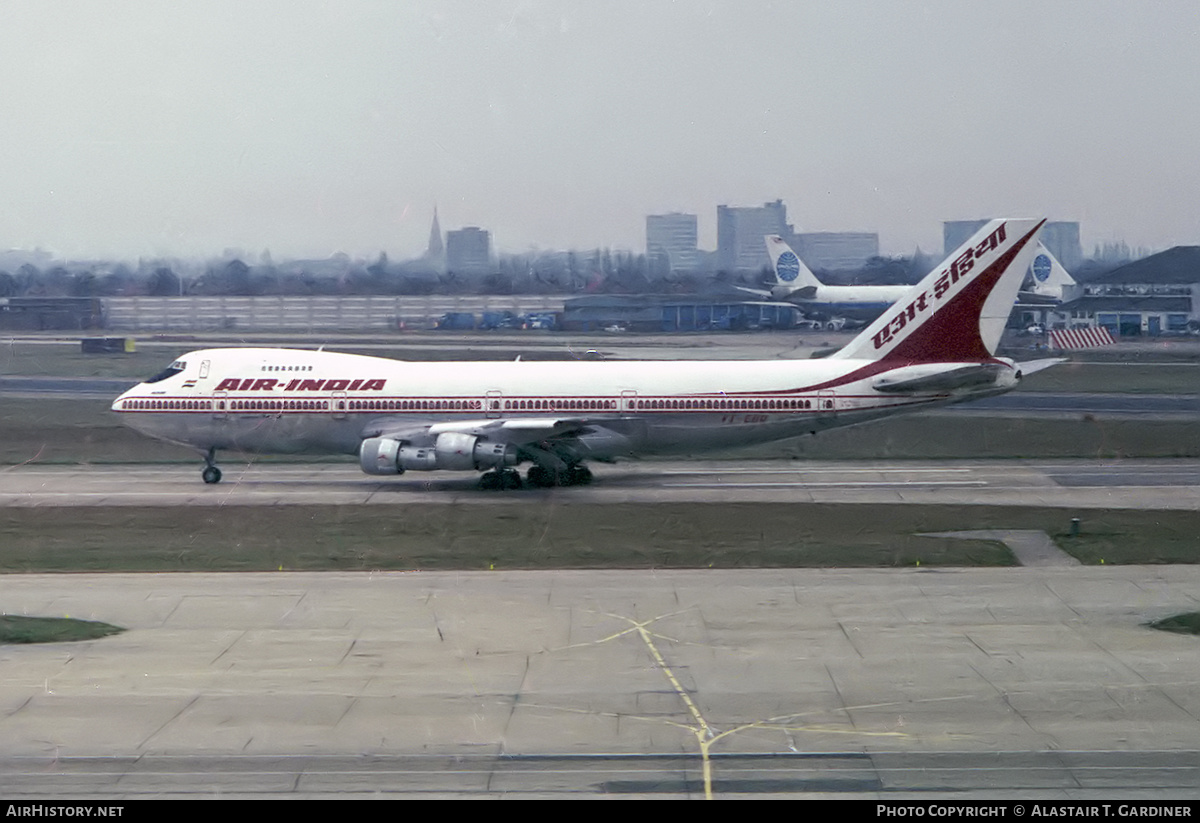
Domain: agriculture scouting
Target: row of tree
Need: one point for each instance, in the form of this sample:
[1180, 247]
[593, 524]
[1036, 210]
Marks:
[602, 272]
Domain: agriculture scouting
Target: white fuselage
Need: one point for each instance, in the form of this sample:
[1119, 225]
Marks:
[857, 302]
[296, 401]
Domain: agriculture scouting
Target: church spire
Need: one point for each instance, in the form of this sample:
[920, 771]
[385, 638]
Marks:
[436, 249]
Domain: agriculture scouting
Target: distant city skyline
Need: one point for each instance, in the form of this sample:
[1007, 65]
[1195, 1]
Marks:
[134, 128]
[469, 247]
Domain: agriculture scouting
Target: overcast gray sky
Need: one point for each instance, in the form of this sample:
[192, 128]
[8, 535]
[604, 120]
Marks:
[185, 127]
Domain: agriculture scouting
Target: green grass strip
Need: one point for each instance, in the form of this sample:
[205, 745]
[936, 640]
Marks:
[16, 628]
[549, 534]
[1188, 623]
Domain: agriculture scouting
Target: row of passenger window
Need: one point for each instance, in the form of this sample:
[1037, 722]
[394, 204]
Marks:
[278, 405]
[717, 404]
[412, 405]
[559, 405]
[164, 405]
[584, 405]
[470, 405]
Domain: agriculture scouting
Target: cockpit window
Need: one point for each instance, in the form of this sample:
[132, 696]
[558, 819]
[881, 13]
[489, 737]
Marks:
[170, 371]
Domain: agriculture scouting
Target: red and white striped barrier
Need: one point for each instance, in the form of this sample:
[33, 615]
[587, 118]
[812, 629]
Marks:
[1080, 338]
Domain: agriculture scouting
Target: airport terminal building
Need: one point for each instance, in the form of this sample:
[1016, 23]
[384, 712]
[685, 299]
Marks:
[1154, 296]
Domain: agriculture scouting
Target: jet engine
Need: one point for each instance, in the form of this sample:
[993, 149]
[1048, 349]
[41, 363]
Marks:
[451, 451]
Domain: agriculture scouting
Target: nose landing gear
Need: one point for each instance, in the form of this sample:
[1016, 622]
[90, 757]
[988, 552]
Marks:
[211, 474]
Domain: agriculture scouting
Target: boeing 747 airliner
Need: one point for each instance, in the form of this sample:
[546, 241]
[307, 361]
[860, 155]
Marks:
[934, 346]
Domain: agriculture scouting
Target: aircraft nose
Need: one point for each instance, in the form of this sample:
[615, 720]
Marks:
[117, 404]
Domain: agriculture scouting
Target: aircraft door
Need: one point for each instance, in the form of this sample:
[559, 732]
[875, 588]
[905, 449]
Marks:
[220, 405]
[337, 404]
[493, 403]
[826, 404]
[629, 400]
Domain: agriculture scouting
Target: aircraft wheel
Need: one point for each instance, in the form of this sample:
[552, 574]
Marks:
[511, 479]
[578, 475]
[211, 474]
[540, 477]
[489, 481]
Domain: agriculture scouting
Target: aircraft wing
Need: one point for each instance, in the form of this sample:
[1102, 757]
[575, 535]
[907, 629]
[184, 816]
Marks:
[517, 430]
[760, 293]
[1037, 298]
[798, 293]
[786, 294]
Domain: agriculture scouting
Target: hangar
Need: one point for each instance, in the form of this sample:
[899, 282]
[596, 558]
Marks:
[1154, 296]
[676, 313]
[47, 313]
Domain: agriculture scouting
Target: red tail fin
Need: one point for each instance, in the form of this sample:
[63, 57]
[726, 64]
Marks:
[957, 313]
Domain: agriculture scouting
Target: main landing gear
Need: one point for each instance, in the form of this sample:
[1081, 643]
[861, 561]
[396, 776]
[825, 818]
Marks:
[539, 477]
[575, 474]
[211, 473]
[500, 479]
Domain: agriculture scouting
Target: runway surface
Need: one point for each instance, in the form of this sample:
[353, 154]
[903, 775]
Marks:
[908, 684]
[1089, 484]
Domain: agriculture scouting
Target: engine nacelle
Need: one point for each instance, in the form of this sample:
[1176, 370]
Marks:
[452, 451]
[380, 455]
[417, 458]
[466, 452]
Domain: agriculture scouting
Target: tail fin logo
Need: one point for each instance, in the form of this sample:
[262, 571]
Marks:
[1041, 268]
[966, 261]
[924, 303]
[787, 267]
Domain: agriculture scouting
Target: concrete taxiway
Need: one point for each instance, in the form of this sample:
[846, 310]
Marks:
[907, 684]
[1084, 484]
[1041, 682]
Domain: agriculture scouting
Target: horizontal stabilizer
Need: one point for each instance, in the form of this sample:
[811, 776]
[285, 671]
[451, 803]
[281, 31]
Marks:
[1035, 366]
[938, 378]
